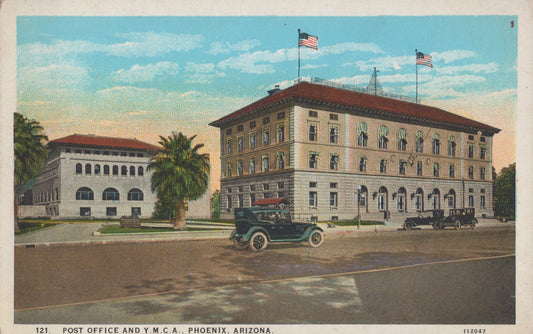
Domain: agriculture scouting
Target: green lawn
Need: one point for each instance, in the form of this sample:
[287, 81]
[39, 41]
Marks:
[116, 229]
[354, 222]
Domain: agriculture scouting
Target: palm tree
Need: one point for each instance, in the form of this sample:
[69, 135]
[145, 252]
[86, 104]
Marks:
[180, 174]
[30, 152]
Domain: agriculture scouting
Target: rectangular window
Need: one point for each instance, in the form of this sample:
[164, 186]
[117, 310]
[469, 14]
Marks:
[313, 113]
[401, 167]
[334, 162]
[436, 169]
[312, 132]
[334, 117]
[383, 166]
[281, 185]
[266, 186]
[419, 168]
[333, 199]
[312, 184]
[483, 153]
[333, 185]
[252, 199]
[281, 133]
[313, 199]
[482, 173]
[228, 146]
[252, 124]
[265, 164]
[241, 200]
[266, 137]
[312, 160]
[281, 115]
[228, 204]
[452, 171]
[252, 166]
[240, 128]
[85, 212]
[111, 211]
[252, 187]
[240, 144]
[136, 211]
[266, 120]
[470, 151]
[482, 201]
[362, 165]
[471, 201]
[252, 141]
[334, 134]
[228, 132]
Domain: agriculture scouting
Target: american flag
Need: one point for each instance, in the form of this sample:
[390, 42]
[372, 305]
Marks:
[422, 59]
[308, 41]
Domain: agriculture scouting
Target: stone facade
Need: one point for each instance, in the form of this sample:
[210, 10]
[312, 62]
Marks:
[337, 146]
[100, 178]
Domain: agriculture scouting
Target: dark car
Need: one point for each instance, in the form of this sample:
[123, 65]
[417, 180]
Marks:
[459, 218]
[255, 227]
[431, 217]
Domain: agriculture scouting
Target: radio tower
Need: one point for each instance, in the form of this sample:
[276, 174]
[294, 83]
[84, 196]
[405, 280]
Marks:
[373, 86]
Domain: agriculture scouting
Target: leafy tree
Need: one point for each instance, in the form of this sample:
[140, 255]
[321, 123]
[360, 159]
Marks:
[215, 205]
[180, 174]
[505, 192]
[30, 151]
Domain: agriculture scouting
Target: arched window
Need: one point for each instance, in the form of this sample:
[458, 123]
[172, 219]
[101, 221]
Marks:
[110, 194]
[88, 169]
[115, 170]
[451, 199]
[401, 199]
[402, 139]
[383, 132]
[140, 171]
[124, 171]
[79, 169]
[452, 147]
[106, 169]
[435, 199]
[132, 171]
[84, 194]
[96, 169]
[362, 136]
[135, 195]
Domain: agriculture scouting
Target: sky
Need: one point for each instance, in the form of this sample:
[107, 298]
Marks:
[144, 77]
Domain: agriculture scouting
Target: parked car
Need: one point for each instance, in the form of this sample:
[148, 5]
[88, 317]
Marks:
[458, 218]
[255, 227]
[424, 218]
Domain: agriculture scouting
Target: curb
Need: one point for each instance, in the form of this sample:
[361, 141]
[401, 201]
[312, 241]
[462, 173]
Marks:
[182, 237]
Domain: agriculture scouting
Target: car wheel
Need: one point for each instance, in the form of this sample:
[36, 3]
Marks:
[316, 238]
[457, 225]
[408, 226]
[474, 223]
[238, 244]
[258, 241]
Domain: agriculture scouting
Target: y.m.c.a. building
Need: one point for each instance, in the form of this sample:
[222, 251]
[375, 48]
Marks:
[334, 153]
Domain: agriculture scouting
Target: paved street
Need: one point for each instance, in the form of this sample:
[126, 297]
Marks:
[464, 276]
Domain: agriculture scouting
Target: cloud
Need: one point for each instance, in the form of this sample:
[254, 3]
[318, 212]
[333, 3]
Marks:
[383, 63]
[351, 47]
[226, 47]
[452, 55]
[151, 44]
[146, 73]
[473, 68]
[53, 77]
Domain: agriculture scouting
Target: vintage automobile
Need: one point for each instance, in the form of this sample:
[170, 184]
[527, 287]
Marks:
[255, 227]
[458, 218]
[430, 218]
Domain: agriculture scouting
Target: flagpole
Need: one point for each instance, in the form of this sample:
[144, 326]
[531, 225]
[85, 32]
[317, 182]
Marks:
[298, 55]
[416, 98]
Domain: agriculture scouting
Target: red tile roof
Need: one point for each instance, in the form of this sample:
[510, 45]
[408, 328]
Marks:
[90, 140]
[344, 97]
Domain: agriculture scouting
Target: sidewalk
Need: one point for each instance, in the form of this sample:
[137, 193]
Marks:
[87, 233]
